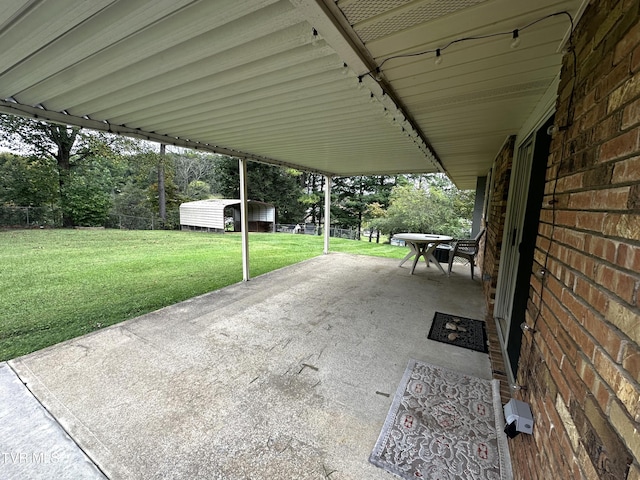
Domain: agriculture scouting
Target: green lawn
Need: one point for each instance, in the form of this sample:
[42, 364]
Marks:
[59, 284]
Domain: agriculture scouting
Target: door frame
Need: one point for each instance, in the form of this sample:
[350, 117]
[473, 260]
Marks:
[514, 270]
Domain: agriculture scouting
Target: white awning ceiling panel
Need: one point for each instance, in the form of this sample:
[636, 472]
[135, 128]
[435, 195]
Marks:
[249, 77]
[483, 89]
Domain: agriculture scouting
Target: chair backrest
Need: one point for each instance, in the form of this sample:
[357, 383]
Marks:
[470, 246]
[479, 235]
[467, 246]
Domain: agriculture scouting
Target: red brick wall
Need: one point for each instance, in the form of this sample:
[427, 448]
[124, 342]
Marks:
[582, 365]
[489, 256]
[497, 210]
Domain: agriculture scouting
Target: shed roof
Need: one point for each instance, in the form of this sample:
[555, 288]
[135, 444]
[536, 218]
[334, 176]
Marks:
[224, 202]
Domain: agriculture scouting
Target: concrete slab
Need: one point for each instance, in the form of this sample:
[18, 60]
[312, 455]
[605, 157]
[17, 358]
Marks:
[288, 376]
[32, 443]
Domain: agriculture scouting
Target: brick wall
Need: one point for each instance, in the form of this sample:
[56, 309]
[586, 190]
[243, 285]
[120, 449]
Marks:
[582, 365]
[489, 255]
[489, 260]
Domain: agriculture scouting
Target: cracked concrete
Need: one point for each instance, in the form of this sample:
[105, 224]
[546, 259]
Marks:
[288, 376]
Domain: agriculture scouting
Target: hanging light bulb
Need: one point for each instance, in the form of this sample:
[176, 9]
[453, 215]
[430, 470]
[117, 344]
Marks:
[515, 39]
[378, 76]
[438, 60]
[315, 37]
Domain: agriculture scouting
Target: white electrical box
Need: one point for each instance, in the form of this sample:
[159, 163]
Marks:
[518, 416]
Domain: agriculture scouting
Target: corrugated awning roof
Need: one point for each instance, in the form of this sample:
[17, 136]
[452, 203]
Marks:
[250, 78]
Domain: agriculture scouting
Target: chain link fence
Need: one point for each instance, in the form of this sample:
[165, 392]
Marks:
[152, 222]
[51, 217]
[29, 217]
[312, 229]
[130, 222]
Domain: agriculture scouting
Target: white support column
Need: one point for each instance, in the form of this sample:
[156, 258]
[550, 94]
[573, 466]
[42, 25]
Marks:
[242, 164]
[327, 213]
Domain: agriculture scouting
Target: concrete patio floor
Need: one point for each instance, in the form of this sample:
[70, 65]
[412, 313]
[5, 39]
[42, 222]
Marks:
[288, 376]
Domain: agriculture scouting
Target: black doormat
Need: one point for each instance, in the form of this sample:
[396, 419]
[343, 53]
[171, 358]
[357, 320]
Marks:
[460, 331]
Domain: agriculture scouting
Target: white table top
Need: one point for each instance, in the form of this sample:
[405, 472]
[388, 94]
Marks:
[423, 237]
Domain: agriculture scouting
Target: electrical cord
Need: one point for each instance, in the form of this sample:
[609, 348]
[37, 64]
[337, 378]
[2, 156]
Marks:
[514, 33]
[553, 202]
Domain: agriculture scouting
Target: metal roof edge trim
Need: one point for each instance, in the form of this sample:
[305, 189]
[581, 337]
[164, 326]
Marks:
[15, 108]
[227, 202]
[327, 18]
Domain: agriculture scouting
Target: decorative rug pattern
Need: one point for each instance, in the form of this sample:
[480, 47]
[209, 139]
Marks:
[460, 331]
[442, 426]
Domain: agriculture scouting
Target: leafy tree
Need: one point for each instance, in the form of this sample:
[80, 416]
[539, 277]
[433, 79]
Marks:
[27, 181]
[161, 188]
[351, 197]
[192, 167]
[431, 205]
[65, 146]
[173, 200]
[132, 200]
[89, 193]
[312, 196]
[198, 190]
[143, 172]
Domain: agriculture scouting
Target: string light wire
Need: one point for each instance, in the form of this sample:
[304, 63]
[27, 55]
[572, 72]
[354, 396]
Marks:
[438, 51]
[526, 366]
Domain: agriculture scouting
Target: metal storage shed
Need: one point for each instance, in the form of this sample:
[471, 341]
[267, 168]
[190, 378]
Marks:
[210, 215]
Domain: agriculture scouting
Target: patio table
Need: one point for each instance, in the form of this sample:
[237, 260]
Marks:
[422, 245]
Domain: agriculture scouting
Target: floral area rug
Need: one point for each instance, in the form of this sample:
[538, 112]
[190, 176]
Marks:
[442, 426]
[460, 331]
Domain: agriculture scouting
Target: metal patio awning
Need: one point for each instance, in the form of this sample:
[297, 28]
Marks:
[291, 82]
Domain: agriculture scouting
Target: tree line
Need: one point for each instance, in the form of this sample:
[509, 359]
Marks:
[69, 177]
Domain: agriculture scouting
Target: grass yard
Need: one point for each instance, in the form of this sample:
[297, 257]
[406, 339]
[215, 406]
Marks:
[59, 284]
